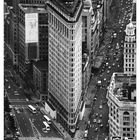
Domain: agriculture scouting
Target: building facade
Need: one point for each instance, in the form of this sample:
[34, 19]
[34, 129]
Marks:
[121, 97]
[33, 35]
[40, 78]
[86, 25]
[130, 50]
[13, 51]
[65, 60]
[87, 13]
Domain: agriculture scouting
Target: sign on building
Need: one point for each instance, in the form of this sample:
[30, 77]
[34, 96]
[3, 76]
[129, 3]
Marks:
[31, 28]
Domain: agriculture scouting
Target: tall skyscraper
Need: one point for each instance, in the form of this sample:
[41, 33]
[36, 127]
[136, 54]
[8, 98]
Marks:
[33, 35]
[65, 60]
[130, 50]
[121, 97]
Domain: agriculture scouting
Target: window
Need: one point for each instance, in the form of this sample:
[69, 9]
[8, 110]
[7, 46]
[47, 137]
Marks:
[126, 123]
[124, 134]
[128, 135]
[128, 129]
[124, 129]
[126, 118]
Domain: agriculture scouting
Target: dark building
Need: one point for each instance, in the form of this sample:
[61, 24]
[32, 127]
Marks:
[13, 51]
[33, 36]
[40, 78]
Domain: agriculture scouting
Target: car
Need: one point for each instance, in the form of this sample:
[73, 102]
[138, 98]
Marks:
[117, 59]
[18, 111]
[117, 46]
[17, 133]
[101, 125]
[107, 64]
[96, 129]
[94, 120]
[99, 121]
[85, 135]
[109, 46]
[15, 108]
[15, 91]
[100, 115]
[113, 64]
[6, 80]
[96, 114]
[109, 67]
[9, 86]
[108, 71]
[100, 106]
[27, 100]
[44, 130]
[104, 79]
[114, 35]
[95, 99]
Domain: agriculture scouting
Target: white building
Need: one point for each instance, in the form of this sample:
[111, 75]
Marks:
[130, 50]
[121, 97]
[65, 60]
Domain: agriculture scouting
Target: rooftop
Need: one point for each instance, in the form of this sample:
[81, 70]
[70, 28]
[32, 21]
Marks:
[33, 8]
[125, 89]
[68, 7]
[41, 65]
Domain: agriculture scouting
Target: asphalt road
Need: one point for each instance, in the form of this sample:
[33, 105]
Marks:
[27, 120]
[113, 63]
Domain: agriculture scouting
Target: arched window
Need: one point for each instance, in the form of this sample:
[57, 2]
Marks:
[126, 113]
[126, 116]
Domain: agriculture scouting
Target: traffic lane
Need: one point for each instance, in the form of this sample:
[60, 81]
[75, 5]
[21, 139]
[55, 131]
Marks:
[38, 122]
[14, 92]
[24, 124]
[103, 111]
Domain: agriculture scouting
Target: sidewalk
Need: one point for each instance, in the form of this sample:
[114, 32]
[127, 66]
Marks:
[58, 126]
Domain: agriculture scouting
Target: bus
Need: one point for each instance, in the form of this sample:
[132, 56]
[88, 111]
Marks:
[47, 119]
[46, 125]
[31, 108]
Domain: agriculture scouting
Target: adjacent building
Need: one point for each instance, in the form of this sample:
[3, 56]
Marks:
[40, 78]
[130, 50]
[13, 46]
[121, 97]
[14, 28]
[133, 18]
[65, 60]
[33, 35]
[87, 13]
[6, 24]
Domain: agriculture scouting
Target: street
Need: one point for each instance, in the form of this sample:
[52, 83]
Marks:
[98, 119]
